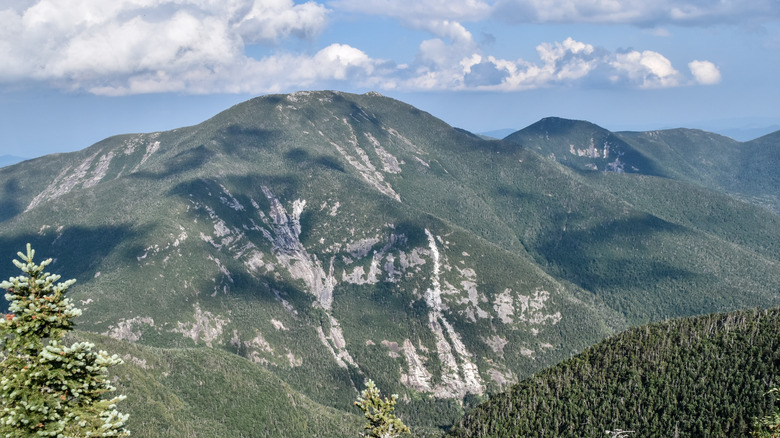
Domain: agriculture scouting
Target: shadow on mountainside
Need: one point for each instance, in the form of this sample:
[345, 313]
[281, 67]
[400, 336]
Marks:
[303, 159]
[77, 251]
[243, 142]
[9, 204]
[184, 161]
[283, 187]
[634, 264]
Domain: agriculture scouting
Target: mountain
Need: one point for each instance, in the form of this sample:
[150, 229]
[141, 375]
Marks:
[696, 376]
[584, 146]
[319, 239]
[741, 169]
[496, 134]
[757, 176]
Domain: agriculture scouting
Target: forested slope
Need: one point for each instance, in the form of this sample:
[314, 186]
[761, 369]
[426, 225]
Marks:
[697, 376]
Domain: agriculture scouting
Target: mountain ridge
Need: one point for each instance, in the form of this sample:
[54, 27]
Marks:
[713, 161]
[329, 237]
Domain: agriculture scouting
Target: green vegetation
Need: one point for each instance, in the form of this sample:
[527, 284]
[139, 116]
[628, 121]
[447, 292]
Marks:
[698, 376]
[584, 146]
[381, 421]
[291, 242]
[208, 392]
[769, 425]
[47, 388]
[744, 170]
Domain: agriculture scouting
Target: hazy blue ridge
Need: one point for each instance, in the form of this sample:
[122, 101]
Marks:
[7, 160]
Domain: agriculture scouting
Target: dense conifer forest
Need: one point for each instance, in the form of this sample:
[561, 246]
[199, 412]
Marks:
[698, 376]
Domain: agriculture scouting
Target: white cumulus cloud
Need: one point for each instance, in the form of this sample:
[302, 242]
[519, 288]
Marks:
[565, 62]
[82, 41]
[275, 73]
[705, 72]
[648, 68]
[442, 18]
[122, 47]
[270, 20]
[448, 29]
[454, 67]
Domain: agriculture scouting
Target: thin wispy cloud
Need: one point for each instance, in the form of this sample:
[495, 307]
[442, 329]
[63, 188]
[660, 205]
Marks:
[411, 10]
[638, 12]
[127, 47]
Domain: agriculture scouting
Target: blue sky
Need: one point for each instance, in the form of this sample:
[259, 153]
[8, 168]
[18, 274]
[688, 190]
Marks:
[73, 72]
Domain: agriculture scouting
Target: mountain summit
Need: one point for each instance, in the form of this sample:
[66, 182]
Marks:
[327, 238]
[744, 170]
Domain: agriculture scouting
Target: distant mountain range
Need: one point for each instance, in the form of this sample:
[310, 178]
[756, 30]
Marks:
[747, 132]
[497, 134]
[313, 240]
[7, 160]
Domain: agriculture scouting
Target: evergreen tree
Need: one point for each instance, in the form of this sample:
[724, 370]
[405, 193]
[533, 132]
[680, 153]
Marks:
[47, 388]
[768, 426]
[382, 422]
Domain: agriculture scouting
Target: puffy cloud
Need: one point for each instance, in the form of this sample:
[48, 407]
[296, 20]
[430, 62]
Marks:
[270, 20]
[565, 61]
[138, 45]
[440, 66]
[270, 74]
[200, 46]
[84, 40]
[649, 69]
[454, 60]
[337, 60]
[560, 63]
[448, 29]
[705, 72]
[439, 17]
[441, 53]
[551, 54]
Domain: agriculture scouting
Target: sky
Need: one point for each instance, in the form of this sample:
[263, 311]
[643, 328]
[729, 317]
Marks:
[73, 72]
